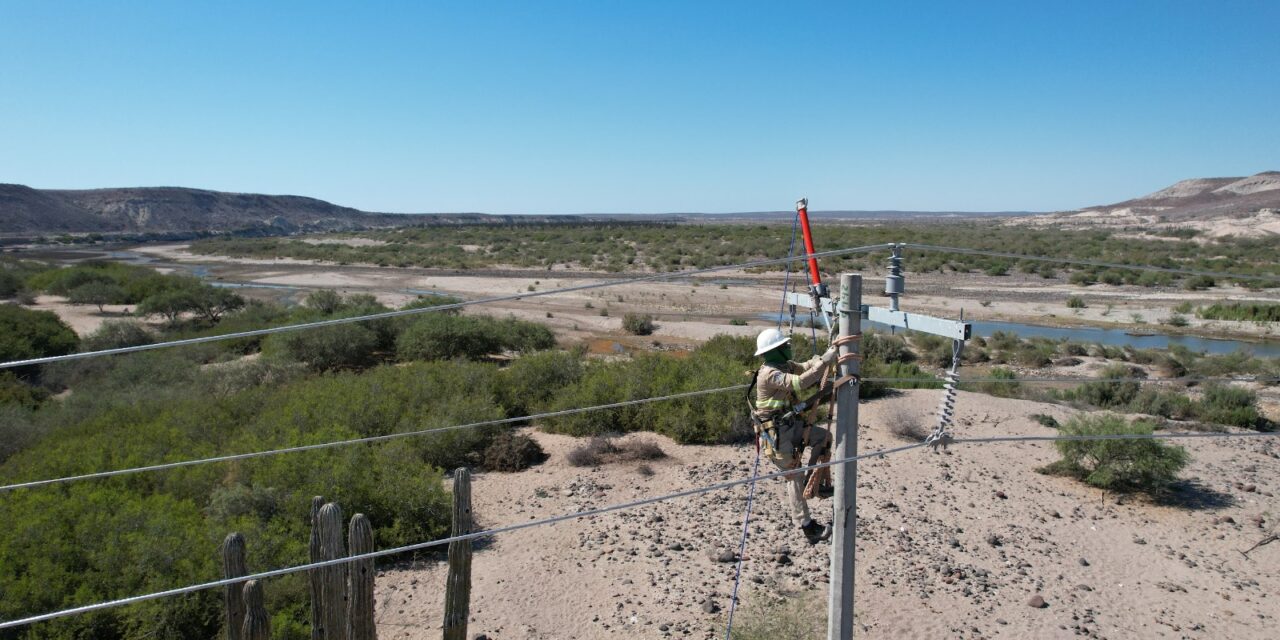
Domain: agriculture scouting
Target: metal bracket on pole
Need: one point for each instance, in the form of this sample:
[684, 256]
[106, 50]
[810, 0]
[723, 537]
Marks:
[953, 329]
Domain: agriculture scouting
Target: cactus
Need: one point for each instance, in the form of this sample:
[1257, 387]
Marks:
[233, 566]
[333, 579]
[360, 581]
[257, 625]
[314, 575]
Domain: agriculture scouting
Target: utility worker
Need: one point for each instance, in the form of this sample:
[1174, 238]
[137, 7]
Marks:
[786, 398]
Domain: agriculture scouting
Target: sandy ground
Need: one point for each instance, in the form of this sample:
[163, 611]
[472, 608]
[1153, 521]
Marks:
[949, 545]
[83, 318]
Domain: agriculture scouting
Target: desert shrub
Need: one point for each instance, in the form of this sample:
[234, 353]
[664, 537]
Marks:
[114, 334]
[532, 380]
[1035, 356]
[433, 300]
[702, 419]
[1198, 283]
[1113, 390]
[1176, 320]
[1046, 420]
[593, 452]
[1075, 302]
[740, 349]
[998, 386]
[797, 618]
[340, 346]
[606, 448]
[443, 337]
[98, 293]
[512, 452]
[1075, 349]
[1145, 465]
[1229, 405]
[525, 337]
[326, 301]
[1167, 404]
[10, 282]
[1240, 311]
[28, 334]
[886, 348]
[639, 324]
[905, 424]
[16, 392]
[440, 337]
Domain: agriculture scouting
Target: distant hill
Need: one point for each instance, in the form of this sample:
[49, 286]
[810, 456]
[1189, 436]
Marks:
[1220, 206]
[25, 211]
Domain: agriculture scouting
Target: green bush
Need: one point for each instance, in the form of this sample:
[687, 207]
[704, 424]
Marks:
[1167, 404]
[1233, 406]
[638, 324]
[26, 334]
[114, 334]
[998, 385]
[340, 346]
[1076, 302]
[443, 337]
[1112, 391]
[530, 383]
[1176, 320]
[98, 293]
[1144, 465]
[1240, 311]
[886, 348]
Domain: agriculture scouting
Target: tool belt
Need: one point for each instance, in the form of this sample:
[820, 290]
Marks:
[781, 435]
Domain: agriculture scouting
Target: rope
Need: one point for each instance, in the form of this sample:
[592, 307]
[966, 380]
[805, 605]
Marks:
[8, 624]
[742, 546]
[442, 307]
[1091, 263]
[594, 512]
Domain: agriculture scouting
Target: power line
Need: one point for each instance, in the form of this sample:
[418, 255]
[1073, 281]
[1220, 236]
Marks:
[553, 414]
[602, 510]
[441, 307]
[1091, 263]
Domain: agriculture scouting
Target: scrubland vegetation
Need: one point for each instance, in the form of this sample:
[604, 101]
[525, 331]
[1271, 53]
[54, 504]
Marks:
[100, 539]
[660, 247]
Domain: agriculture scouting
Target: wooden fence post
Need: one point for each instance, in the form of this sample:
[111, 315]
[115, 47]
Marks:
[360, 581]
[257, 625]
[314, 576]
[457, 594]
[234, 566]
[333, 587]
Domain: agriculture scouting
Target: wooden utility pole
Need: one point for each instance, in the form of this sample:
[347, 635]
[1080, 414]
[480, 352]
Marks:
[845, 476]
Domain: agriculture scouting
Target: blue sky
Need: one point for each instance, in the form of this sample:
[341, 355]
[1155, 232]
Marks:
[564, 107]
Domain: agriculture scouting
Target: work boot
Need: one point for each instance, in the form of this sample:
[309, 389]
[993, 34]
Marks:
[815, 532]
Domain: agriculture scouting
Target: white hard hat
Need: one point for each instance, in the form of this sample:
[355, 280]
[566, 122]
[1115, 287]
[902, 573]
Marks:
[768, 340]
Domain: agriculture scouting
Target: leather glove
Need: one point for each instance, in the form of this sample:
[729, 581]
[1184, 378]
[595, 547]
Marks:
[830, 356]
